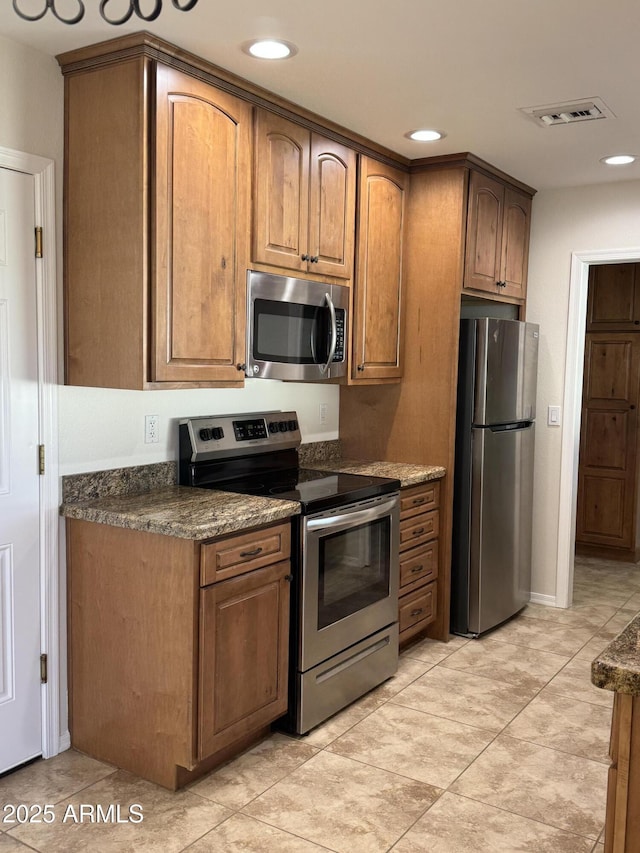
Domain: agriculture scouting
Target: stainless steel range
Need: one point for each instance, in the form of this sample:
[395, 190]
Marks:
[344, 630]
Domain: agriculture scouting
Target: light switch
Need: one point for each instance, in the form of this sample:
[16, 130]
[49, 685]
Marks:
[553, 416]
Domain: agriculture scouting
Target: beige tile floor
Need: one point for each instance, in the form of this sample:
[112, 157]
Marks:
[496, 745]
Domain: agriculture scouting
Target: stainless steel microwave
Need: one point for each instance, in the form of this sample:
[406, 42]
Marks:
[296, 329]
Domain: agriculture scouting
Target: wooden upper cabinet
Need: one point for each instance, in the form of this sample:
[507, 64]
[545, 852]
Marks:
[614, 298]
[378, 296]
[202, 180]
[157, 218]
[497, 244]
[304, 204]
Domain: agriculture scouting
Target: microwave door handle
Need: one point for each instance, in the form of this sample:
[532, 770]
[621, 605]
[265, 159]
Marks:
[334, 334]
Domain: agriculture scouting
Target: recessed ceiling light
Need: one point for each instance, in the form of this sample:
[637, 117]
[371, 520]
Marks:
[618, 159]
[425, 135]
[270, 49]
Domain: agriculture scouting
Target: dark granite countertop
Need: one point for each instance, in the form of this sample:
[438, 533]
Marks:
[182, 511]
[408, 473]
[618, 666]
[147, 498]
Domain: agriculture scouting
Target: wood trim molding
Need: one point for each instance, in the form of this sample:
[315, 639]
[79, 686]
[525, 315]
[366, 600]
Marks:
[452, 161]
[145, 44]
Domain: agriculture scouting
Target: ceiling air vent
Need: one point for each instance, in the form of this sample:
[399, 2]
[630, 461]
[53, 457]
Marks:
[569, 113]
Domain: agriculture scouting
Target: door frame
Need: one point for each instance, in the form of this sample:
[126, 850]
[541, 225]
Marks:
[43, 171]
[573, 378]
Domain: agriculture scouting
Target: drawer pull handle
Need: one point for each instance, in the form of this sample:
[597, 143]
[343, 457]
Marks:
[418, 531]
[416, 569]
[253, 553]
[417, 612]
[418, 501]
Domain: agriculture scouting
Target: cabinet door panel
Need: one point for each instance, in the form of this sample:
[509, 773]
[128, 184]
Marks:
[614, 297]
[607, 500]
[332, 192]
[484, 233]
[244, 641]
[202, 218]
[281, 203]
[515, 243]
[379, 286]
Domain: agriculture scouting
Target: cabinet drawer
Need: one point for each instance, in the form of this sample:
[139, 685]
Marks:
[234, 555]
[419, 529]
[418, 499]
[418, 609]
[419, 566]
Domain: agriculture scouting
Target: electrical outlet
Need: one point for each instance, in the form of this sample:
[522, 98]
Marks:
[323, 413]
[151, 429]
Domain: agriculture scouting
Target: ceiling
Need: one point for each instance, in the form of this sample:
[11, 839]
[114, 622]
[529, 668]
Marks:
[382, 69]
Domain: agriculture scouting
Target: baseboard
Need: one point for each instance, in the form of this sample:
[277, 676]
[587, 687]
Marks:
[65, 742]
[547, 600]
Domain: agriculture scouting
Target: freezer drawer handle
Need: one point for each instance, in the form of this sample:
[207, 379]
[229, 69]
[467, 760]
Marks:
[253, 553]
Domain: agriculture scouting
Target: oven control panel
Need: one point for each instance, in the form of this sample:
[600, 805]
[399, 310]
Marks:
[219, 436]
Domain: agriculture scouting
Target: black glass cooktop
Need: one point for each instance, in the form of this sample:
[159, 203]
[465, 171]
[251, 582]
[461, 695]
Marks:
[313, 490]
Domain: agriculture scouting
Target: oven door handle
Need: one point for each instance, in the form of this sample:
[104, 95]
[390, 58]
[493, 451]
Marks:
[324, 368]
[349, 519]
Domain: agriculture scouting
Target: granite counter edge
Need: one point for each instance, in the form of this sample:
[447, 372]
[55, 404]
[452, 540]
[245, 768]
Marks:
[617, 667]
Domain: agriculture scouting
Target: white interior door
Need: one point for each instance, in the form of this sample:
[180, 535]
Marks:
[20, 691]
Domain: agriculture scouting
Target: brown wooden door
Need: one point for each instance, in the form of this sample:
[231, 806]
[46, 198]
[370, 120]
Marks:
[608, 441]
[332, 207]
[244, 654]
[483, 255]
[202, 220]
[614, 297]
[515, 243]
[378, 297]
[281, 202]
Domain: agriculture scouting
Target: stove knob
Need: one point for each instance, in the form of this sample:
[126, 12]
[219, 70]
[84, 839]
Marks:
[273, 426]
[293, 425]
[218, 433]
[205, 435]
[282, 426]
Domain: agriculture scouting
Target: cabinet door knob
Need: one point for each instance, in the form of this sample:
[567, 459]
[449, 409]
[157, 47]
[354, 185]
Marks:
[288, 578]
[305, 257]
[241, 367]
[314, 259]
[361, 367]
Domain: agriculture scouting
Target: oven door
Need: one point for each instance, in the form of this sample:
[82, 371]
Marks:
[350, 569]
[295, 328]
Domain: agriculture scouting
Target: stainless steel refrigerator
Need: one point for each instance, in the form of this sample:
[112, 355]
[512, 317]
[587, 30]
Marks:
[493, 476]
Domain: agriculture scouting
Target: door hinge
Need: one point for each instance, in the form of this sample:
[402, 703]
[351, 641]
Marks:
[41, 459]
[38, 241]
[43, 669]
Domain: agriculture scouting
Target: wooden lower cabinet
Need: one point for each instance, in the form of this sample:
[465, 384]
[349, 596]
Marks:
[622, 827]
[419, 528]
[168, 678]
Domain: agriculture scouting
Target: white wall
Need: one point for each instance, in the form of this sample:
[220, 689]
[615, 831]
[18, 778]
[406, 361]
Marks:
[604, 217]
[102, 428]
